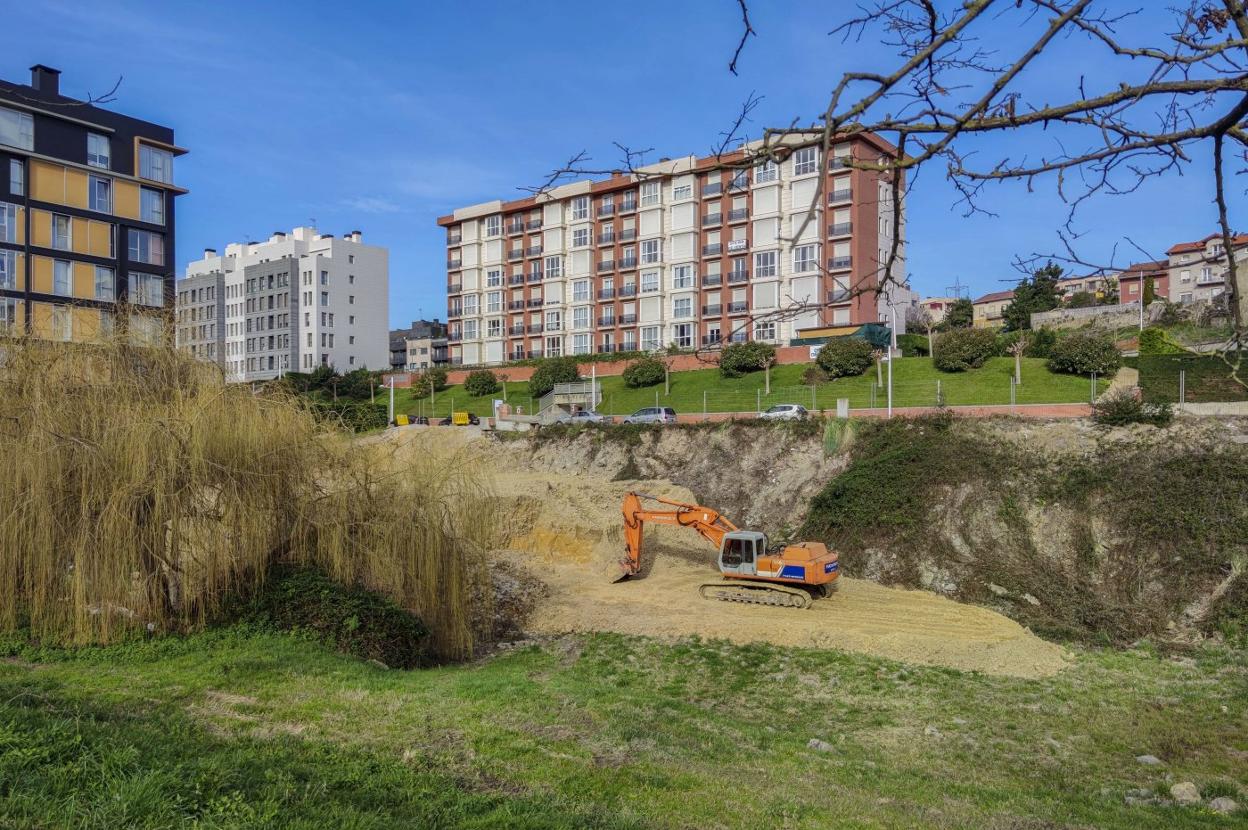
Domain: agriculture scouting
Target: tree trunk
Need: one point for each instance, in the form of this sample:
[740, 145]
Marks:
[767, 379]
[1018, 368]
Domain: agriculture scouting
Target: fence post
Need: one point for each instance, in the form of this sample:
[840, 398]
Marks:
[1013, 398]
[872, 395]
[813, 407]
[656, 397]
[940, 400]
[1092, 393]
[1182, 388]
[703, 404]
[758, 400]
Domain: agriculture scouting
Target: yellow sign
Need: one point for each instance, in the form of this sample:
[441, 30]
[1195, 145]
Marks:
[459, 419]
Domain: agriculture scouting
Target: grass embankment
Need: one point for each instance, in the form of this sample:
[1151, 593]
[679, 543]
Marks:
[1207, 378]
[914, 384]
[240, 728]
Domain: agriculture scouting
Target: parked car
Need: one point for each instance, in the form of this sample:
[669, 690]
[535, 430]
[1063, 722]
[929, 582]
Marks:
[652, 415]
[584, 416]
[785, 412]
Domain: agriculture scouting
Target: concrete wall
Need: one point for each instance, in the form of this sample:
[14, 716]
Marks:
[1105, 316]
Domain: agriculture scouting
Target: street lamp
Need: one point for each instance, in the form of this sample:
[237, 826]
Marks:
[892, 348]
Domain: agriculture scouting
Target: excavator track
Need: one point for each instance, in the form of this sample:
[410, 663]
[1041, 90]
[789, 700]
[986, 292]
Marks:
[759, 593]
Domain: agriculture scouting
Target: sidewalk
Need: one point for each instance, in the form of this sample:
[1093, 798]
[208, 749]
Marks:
[1043, 410]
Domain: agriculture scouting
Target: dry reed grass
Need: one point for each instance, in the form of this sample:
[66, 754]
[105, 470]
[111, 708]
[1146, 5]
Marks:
[140, 491]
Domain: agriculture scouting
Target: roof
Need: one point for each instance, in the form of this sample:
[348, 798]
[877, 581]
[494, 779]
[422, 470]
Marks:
[996, 296]
[1199, 245]
[1135, 269]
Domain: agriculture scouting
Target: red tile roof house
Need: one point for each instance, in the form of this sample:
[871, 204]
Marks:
[989, 308]
[1198, 269]
[1131, 282]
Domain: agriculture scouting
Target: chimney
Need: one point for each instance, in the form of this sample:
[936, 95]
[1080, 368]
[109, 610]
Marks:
[45, 79]
[356, 236]
[209, 252]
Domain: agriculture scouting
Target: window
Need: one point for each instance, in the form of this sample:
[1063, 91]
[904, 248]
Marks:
[649, 338]
[765, 264]
[17, 129]
[99, 150]
[580, 344]
[805, 258]
[765, 330]
[649, 282]
[155, 164]
[8, 270]
[17, 177]
[470, 329]
[147, 247]
[8, 222]
[152, 205]
[651, 250]
[684, 191]
[554, 267]
[580, 317]
[61, 232]
[494, 301]
[768, 171]
[580, 291]
[62, 323]
[580, 237]
[100, 194]
[649, 193]
[493, 225]
[470, 304]
[493, 328]
[62, 277]
[324, 278]
[682, 276]
[146, 289]
[682, 335]
[580, 208]
[8, 313]
[682, 307]
[805, 160]
[554, 321]
[554, 347]
[493, 278]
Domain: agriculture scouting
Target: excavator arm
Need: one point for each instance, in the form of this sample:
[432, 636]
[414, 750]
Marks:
[709, 523]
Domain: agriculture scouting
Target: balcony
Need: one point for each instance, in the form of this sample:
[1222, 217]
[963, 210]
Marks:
[456, 361]
[533, 250]
[609, 265]
[738, 308]
[737, 277]
[628, 234]
[712, 280]
[713, 189]
[712, 339]
[738, 215]
[628, 207]
[741, 181]
[535, 328]
[712, 219]
[712, 310]
[516, 355]
[454, 239]
[454, 264]
[840, 295]
[840, 162]
[838, 263]
[454, 337]
[712, 250]
[514, 254]
[555, 326]
[516, 279]
[536, 276]
[606, 239]
[515, 305]
[1211, 279]
[839, 196]
[535, 353]
[453, 313]
[738, 337]
[606, 321]
[628, 290]
[515, 228]
[535, 302]
[534, 224]
[515, 331]
[606, 293]
[606, 348]
[454, 288]
[738, 245]
[606, 210]
[628, 263]
[840, 229]
[628, 319]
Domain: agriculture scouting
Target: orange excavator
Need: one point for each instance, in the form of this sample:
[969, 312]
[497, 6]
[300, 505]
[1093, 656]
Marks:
[789, 575]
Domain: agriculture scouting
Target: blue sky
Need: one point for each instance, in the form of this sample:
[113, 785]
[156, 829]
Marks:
[382, 116]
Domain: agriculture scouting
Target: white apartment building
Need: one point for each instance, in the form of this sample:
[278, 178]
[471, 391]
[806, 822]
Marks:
[686, 252]
[1198, 269]
[291, 303]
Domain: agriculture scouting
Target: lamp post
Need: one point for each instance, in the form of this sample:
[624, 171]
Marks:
[892, 348]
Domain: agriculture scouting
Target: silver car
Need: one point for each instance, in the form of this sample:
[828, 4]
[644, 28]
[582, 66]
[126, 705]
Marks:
[785, 412]
[584, 416]
[652, 415]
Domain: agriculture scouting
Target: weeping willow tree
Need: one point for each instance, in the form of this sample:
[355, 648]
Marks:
[140, 492]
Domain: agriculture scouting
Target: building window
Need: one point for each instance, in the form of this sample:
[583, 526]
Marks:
[764, 330]
[682, 307]
[62, 323]
[580, 291]
[155, 164]
[580, 237]
[554, 321]
[62, 277]
[682, 276]
[152, 205]
[17, 177]
[493, 225]
[805, 160]
[493, 278]
[649, 193]
[494, 301]
[100, 194]
[146, 289]
[649, 282]
[8, 222]
[805, 258]
[99, 150]
[682, 335]
[580, 208]
[684, 191]
[493, 328]
[62, 235]
[765, 264]
[147, 247]
[580, 344]
[17, 129]
[8, 270]
[651, 250]
[8, 313]
[650, 338]
[768, 171]
[554, 267]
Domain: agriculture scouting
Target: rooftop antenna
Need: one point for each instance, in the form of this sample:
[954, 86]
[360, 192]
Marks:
[958, 290]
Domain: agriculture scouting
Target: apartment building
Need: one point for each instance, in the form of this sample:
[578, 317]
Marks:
[420, 346]
[1198, 269]
[1098, 285]
[86, 215]
[990, 309]
[685, 253]
[936, 307]
[291, 303]
[1133, 280]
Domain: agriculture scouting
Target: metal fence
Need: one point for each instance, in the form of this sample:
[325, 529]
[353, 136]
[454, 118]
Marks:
[1184, 379]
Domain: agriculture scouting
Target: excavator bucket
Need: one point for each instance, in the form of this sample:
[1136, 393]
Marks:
[620, 571]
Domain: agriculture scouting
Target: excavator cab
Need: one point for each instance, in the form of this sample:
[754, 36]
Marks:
[740, 551]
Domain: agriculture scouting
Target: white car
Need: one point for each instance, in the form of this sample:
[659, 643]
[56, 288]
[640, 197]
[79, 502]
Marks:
[785, 412]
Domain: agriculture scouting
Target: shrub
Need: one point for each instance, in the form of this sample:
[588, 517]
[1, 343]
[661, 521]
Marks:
[1040, 343]
[436, 374]
[550, 371]
[812, 375]
[738, 359]
[960, 349]
[1154, 340]
[647, 371]
[913, 345]
[1084, 352]
[358, 384]
[356, 416]
[1127, 406]
[845, 357]
[481, 382]
[349, 619]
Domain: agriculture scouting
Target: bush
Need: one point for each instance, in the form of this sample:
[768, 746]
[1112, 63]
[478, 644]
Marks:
[845, 357]
[358, 384]
[1084, 352]
[960, 349]
[739, 359]
[481, 382]
[913, 345]
[351, 620]
[812, 375]
[1127, 406]
[356, 416]
[1154, 340]
[436, 374]
[647, 371]
[553, 370]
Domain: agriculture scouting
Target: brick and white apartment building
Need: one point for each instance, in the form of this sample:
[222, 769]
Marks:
[686, 252]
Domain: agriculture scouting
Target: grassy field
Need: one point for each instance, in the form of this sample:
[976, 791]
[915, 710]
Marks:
[241, 728]
[1207, 378]
[914, 384]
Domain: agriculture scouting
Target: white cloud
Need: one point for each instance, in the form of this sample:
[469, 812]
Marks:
[372, 204]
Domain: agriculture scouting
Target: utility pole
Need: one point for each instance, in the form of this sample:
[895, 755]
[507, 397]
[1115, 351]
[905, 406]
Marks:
[892, 348]
[392, 399]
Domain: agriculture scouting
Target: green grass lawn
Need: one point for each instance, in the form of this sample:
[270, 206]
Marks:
[914, 384]
[240, 728]
[1207, 378]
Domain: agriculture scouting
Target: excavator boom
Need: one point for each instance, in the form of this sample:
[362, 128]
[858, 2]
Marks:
[704, 520]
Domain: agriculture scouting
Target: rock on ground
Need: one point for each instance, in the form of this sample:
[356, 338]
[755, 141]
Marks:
[1224, 805]
[1149, 760]
[1185, 793]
